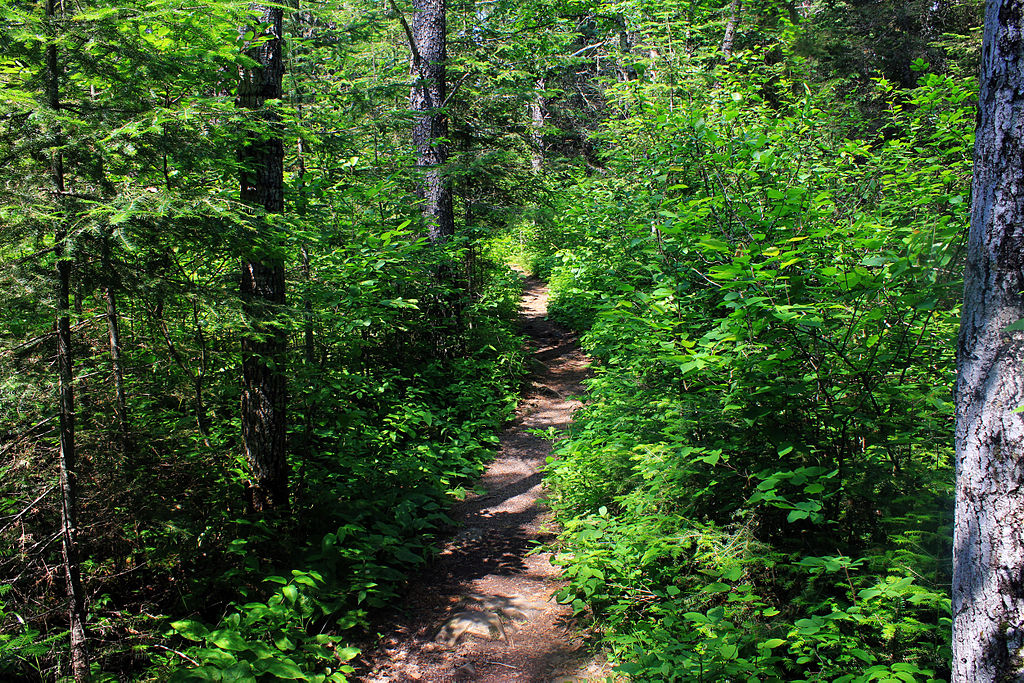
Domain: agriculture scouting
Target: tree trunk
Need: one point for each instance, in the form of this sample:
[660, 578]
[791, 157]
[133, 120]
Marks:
[264, 389]
[536, 132]
[66, 389]
[68, 483]
[199, 377]
[735, 7]
[117, 367]
[430, 53]
[988, 552]
[625, 70]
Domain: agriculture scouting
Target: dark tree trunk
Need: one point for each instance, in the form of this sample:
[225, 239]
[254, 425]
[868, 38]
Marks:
[264, 389]
[66, 390]
[68, 483]
[199, 377]
[430, 54]
[988, 550]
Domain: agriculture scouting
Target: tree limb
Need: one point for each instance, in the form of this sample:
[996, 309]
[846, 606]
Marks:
[27, 508]
[408, 34]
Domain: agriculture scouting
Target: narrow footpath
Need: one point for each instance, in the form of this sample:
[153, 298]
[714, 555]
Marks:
[483, 610]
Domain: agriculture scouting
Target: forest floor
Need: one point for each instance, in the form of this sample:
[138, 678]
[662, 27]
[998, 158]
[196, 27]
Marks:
[484, 611]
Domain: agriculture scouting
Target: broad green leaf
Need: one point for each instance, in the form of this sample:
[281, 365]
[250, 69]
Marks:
[192, 630]
[228, 639]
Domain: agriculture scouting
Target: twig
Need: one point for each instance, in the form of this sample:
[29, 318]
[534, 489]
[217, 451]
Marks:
[180, 654]
[30, 506]
[507, 666]
[25, 433]
[455, 88]
[584, 49]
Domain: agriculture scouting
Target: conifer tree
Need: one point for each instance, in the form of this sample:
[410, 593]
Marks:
[264, 388]
[429, 57]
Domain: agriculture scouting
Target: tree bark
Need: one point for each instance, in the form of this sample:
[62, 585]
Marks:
[117, 366]
[429, 134]
[735, 7]
[536, 132]
[65, 388]
[198, 374]
[988, 553]
[264, 347]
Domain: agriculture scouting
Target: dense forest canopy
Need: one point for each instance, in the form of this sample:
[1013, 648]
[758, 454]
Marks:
[259, 324]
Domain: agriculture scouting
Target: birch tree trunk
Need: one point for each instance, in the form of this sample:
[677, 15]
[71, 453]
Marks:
[264, 388]
[537, 129]
[988, 552]
[429, 134]
[735, 7]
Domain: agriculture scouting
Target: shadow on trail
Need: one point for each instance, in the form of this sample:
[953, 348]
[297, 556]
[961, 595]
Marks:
[505, 492]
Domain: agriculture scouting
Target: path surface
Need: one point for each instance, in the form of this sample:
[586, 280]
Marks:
[483, 611]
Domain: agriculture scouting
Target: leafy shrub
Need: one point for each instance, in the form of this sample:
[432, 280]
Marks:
[757, 486]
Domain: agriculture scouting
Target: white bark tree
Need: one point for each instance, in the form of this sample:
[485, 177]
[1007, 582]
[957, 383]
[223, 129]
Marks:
[988, 554]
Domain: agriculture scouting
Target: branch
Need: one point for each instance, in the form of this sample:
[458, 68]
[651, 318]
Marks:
[584, 49]
[455, 89]
[25, 433]
[30, 506]
[42, 252]
[416, 59]
[180, 654]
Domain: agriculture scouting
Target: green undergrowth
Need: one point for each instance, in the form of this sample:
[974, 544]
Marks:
[758, 487]
[307, 587]
[393, 416]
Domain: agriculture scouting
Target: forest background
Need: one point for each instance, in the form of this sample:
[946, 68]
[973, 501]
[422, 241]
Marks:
[755, 211]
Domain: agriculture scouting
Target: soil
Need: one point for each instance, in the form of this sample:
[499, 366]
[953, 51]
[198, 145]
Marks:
[484, 610]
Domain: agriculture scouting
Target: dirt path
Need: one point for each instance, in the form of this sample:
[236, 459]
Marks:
[483, 611]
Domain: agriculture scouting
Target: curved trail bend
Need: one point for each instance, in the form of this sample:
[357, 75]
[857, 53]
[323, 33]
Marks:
[483, 611]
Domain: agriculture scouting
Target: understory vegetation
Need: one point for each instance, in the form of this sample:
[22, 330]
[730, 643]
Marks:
[759, 486]
[184, 577]
[753, 212]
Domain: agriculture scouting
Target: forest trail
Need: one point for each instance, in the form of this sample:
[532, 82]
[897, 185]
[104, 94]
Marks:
[483, 611]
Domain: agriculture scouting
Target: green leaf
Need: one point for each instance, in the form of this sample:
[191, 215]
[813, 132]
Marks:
[733, 573]
[861, 654]
[282, 669]
[227, 639]
[347, 653]
[192, 630]
[807, 627]
[284, 643]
